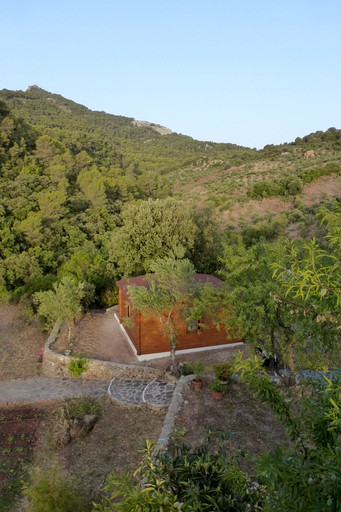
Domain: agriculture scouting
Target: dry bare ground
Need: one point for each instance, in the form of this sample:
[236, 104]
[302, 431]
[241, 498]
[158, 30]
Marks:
[20, 340]
[248, 427]
[115, 443]
[329, 186]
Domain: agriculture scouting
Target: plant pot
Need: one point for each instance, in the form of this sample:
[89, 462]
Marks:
[217, 395]
[197, 384]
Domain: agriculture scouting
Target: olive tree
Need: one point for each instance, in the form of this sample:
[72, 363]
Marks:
[63, 302]
[173, 293]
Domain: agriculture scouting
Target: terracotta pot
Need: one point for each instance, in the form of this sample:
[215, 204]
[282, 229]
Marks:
[197, 384]
[217, 395]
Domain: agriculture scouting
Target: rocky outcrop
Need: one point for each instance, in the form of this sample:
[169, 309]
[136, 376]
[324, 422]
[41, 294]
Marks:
[157, 127]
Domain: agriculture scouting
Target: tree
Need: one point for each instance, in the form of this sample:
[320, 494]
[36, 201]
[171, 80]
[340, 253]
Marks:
[173, 293]
[62, 303]
[260, 315]
[312, 271]
[162, 228]
[306, 475]
[91, 183]
[88, 263]
[310, 279]
[249, 295]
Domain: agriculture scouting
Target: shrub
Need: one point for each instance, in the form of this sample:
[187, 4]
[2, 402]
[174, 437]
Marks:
[223, 371]
[187, 480]
[198, 368]
[50, 491]
[77, 408]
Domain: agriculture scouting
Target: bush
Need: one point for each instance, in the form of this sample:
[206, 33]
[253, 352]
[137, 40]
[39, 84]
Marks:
[186, 479]
[223, 371]
[77, 408]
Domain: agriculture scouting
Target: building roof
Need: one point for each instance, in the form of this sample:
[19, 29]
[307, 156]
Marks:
[142, 281]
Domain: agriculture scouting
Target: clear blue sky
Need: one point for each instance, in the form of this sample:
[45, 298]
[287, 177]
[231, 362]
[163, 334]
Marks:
[250, 72]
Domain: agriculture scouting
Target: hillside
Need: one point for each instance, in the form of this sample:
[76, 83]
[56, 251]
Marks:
[79, 188]
[110, 139]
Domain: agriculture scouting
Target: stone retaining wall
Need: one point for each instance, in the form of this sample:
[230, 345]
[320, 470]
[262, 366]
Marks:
[55, 365]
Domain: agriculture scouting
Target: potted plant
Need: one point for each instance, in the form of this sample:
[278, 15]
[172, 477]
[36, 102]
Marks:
[198, 368]
[218, 389]
[223, 371]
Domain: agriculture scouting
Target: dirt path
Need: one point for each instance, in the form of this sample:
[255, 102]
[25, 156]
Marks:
[20, 341]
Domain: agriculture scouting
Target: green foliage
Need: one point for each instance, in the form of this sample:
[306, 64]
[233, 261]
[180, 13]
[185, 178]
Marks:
[50, 491]
[309, 175]
[77, 366]
[197, 368]
[311, 288]
[287, 186]
[254, 376]
[63, 302]
[169, 293]
[314, 273]
[79, 407]
[249, 293]
[66, 174]
[262, 315]
[36, 284]
[217, 385]
[186, 479]
[223, 371]
[173, 294]
[309, 477]
[264, 230]
[161, 228]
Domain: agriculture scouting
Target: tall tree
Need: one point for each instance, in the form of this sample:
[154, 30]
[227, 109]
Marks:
[162, 228]
[251, 296]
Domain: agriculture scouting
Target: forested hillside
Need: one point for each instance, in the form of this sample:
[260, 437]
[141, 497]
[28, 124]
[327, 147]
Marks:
[96, 196]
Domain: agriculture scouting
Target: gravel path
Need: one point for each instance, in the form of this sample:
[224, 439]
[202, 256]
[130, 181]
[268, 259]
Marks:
[41, 389]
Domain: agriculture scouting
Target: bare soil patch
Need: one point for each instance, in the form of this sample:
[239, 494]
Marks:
[248, 427]
[328, 186]
[114, 443]
[20, 340]
[19, 428]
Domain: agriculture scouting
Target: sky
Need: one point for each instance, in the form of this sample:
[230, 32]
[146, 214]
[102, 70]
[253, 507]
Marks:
[248, 72]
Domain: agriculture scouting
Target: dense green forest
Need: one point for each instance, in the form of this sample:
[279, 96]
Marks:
[93, 197]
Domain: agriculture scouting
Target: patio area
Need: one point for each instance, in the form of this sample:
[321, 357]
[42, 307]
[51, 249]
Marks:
[98, 335]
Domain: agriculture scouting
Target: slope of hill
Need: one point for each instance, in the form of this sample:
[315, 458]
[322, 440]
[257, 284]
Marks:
[108, 137]
[66, 174]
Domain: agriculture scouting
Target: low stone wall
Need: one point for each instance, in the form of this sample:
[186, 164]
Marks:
[55, 365]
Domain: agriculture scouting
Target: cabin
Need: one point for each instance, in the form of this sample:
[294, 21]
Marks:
[146, 336]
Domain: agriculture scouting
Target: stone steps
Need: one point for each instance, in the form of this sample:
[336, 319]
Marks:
[154, 394]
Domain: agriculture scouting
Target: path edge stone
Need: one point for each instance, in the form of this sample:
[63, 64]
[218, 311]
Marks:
[173, 409]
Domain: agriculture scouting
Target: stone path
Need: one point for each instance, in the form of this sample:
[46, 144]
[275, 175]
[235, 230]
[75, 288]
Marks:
[155, 393]
[38, 389]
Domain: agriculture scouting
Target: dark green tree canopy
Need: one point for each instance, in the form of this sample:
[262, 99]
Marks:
[162, 228]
